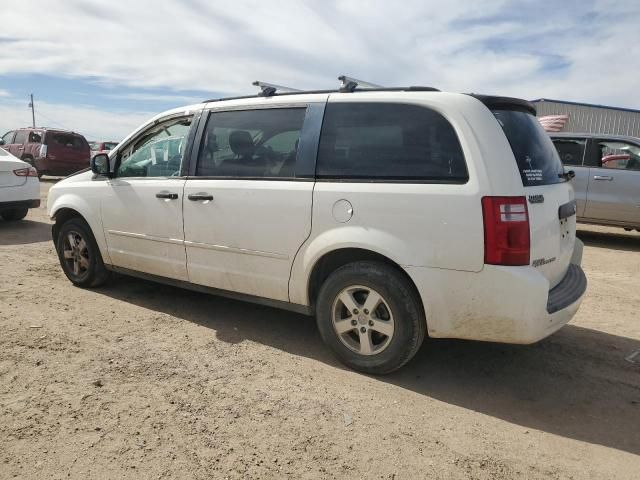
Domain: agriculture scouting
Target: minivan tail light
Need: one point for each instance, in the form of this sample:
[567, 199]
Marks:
[26, 172]
[506, 230]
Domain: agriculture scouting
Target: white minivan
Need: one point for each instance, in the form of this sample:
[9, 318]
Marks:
[389, 214]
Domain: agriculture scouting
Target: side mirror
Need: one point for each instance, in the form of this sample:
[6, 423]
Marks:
[100, 164]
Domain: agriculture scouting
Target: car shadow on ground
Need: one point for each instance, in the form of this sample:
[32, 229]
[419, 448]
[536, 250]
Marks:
[576, 384]
[24, 232]
[628, 241]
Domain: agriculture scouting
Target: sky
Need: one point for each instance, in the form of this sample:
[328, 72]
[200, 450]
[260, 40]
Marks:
[103, 67]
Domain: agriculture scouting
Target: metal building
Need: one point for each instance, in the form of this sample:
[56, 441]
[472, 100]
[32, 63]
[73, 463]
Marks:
[587, 118]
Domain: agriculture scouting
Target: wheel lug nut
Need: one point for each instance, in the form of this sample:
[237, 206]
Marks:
[366, 312]
[363, 330]
[354, 323]
[355, 311]
[371, 323]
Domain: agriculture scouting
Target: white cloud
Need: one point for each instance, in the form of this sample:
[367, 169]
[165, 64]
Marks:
[93, 123]
[222, 46]
[152, 97]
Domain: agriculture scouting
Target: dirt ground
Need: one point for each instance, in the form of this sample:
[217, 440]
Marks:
[138, 380]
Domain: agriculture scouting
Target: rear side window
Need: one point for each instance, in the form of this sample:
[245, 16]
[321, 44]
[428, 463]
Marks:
[618, 155]
[537, 159]
[571, 151]
[251, 143]
[35, 137]
[67, 140]
[388, 141]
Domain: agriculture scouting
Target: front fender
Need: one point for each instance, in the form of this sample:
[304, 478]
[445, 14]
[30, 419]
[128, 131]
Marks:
[88, 206]
[377, 241]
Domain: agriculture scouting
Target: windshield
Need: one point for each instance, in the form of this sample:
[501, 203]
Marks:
[537, 158]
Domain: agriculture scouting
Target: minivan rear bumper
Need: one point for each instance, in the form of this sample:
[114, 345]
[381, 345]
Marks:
[568, 291]
[499, 304]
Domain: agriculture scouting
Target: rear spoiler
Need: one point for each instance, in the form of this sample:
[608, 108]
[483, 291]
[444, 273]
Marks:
[505, 103]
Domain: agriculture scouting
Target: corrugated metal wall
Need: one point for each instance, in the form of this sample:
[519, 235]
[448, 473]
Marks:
[591, 119]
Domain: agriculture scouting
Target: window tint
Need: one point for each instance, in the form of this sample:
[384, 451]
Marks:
[67, 140]
[21, 136]
[537, 159]
[619, 155]
[570, 150]
[251, 143]
[157, 152]
[389, 141]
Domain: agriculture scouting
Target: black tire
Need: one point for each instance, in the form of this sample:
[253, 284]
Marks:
[14, 214]
[85, 268]
[402, 307]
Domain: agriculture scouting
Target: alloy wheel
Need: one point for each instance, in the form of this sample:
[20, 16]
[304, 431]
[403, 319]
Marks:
[363, 320]
[76, 253]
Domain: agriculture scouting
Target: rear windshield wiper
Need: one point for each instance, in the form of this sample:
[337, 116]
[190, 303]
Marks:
[568, 175]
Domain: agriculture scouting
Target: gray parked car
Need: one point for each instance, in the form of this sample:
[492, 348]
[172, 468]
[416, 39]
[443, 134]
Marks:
[607, 181]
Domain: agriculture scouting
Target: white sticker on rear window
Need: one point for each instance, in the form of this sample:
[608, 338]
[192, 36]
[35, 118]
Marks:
[533, 174]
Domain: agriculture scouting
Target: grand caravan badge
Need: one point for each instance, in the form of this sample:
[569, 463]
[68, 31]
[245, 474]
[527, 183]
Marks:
[536, 198]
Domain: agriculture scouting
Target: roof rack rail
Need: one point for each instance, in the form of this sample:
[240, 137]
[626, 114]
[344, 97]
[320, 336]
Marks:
[269, 89]
[277, 93]
[349, 84]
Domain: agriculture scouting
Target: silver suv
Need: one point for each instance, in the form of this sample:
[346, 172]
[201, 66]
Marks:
[607, 181]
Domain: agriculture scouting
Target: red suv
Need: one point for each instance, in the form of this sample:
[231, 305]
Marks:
[52, 152]
[102, 147]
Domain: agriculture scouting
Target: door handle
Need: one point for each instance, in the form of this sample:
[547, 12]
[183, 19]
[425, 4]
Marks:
[602, 177]
[195, 197]
[167, 195]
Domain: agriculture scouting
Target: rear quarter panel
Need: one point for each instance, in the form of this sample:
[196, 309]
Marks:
[439, 226]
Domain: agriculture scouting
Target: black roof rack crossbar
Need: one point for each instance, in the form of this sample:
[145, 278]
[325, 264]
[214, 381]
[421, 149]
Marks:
[269, 89]
[349, 84]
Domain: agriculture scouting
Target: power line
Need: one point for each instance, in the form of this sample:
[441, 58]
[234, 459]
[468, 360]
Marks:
[64, 127]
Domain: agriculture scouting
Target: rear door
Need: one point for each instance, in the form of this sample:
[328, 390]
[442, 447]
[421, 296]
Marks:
[572, 154]
[614, 183]
[549, 195]
[247, 209]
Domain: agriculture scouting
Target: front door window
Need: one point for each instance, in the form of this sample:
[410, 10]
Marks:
[158, 152]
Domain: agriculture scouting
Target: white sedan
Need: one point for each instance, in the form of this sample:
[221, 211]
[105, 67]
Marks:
[19, 187]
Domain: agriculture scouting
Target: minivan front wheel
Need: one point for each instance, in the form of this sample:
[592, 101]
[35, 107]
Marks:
[79, 254]
[370, 316]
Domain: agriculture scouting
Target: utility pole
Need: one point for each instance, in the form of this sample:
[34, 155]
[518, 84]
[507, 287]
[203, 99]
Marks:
[33, 112]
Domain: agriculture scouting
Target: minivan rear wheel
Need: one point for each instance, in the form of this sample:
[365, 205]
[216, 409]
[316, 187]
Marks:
[369, 314]
[79, 254]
